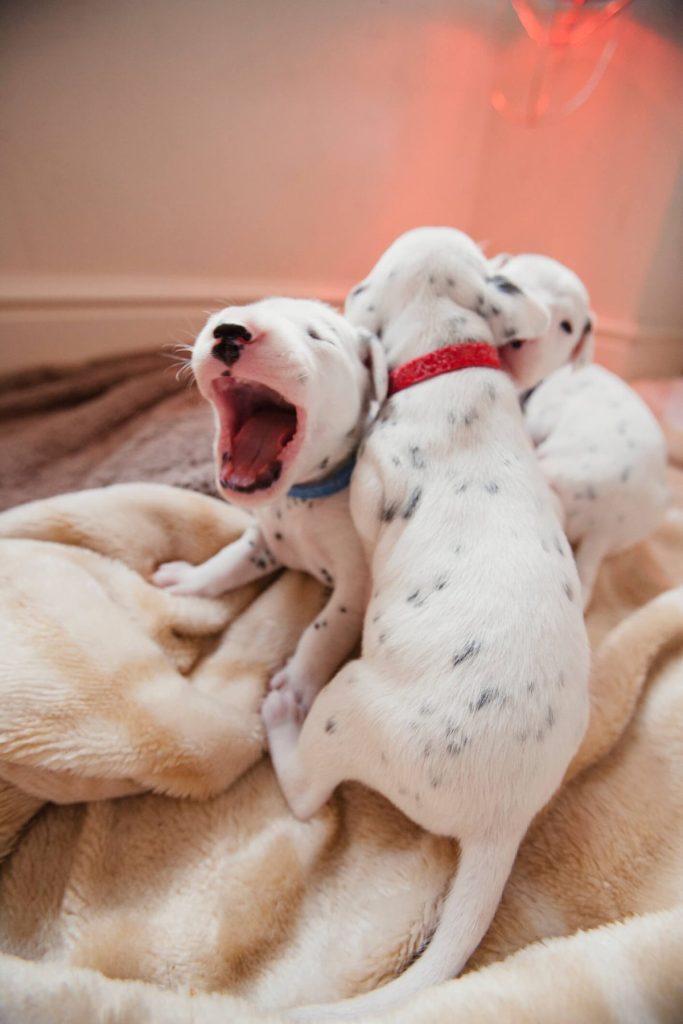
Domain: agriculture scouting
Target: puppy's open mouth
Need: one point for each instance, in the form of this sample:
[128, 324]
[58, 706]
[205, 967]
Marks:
[258, 428]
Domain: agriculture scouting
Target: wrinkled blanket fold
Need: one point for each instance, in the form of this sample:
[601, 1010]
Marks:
[227, 907]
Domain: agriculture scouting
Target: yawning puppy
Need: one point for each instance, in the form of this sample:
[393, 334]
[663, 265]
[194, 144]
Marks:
[598, 445]
[470, 696]
[290, 388]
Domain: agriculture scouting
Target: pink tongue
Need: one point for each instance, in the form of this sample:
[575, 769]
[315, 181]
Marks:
[261, 440]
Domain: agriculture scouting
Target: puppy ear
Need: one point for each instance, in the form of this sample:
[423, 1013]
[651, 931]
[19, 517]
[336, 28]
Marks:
[498, 262]
[584, 350]
[375, 359]
[512, 313]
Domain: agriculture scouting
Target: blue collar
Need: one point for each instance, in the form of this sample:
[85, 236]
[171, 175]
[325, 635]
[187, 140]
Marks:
[332, 484]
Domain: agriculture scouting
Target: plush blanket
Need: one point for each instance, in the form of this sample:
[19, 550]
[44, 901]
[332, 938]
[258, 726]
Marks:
[227, 907]
[169, 903]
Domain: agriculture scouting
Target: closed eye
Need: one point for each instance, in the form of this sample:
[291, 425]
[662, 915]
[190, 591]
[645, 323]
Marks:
[566, 326]
[312, 333]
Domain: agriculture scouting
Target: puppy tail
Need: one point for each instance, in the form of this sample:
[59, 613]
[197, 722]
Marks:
[468, 909]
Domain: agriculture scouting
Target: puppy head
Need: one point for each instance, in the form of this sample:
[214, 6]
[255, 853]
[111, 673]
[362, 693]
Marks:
[432, 288]
[290, 384]
[568, 336]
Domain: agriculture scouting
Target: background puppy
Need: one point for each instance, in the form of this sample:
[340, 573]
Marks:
[569, 334]
[290, 394]
[470, 697]
[598, 444]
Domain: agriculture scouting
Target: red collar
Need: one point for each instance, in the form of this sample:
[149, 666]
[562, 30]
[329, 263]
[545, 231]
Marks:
[443, 360]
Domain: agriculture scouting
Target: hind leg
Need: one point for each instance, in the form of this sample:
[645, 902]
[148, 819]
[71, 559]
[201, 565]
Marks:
[312, 756]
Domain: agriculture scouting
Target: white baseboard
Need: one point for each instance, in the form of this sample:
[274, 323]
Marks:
[60, 320]
[636, 350]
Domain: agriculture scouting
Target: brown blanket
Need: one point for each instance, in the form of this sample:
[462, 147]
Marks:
[228, 907]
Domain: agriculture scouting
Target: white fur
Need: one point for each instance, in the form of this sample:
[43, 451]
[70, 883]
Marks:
[316, 360]
[604, 454]
[568, 336]
[598, 445]
[470, 696]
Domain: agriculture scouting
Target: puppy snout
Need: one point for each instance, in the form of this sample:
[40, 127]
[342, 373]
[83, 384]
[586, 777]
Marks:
[230, 339]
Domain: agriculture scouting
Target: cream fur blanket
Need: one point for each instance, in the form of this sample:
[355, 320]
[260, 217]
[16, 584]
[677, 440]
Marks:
[156, 908]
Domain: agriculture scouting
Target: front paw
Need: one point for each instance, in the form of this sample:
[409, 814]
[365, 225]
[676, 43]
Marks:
[303, 690]
[281, 708]
[184, 579]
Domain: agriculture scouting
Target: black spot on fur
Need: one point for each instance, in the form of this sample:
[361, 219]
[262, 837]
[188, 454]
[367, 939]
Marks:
[461, 488]
[504, 284]
[441, 583]
[491, 392]
[417, 458]
[530, 688]
[566, 326]
[470, 417]
[568, 591]
[359, 289]
[413, 502]
[278, 535]
[389, 512]
[456, 747]
[509, 333]
[325, 463]
[466, 653]
[550, 717]
[492, 487]
[330, 725]
[426, 708]
[343, 609]
[395, 459]
[486, 697]
[371, 309]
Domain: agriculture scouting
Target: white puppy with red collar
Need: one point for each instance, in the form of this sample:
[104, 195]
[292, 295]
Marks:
[598, 444]
[470, 697]
[289, 384]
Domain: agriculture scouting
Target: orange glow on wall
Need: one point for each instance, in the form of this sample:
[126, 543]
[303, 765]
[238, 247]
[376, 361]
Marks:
[562, 22]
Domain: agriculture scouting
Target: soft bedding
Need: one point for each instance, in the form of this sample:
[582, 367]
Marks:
[152, 907]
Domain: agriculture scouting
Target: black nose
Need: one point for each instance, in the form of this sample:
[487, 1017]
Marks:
[229, 347]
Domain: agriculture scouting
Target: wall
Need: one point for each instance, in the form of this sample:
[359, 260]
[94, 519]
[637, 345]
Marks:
[160, 157]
